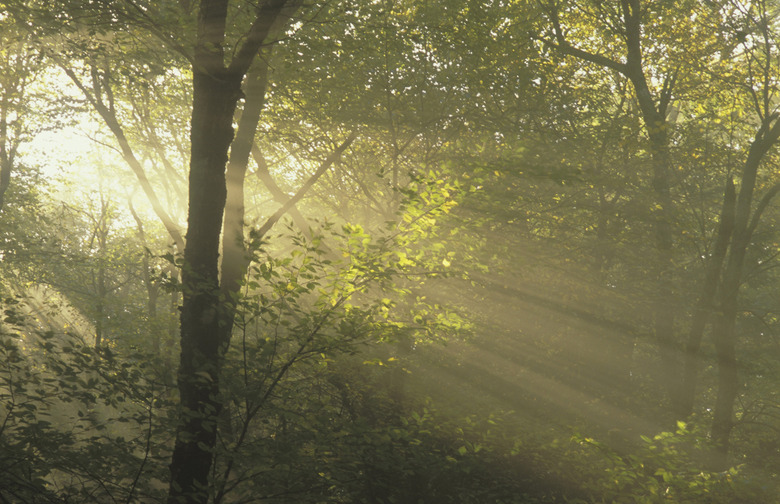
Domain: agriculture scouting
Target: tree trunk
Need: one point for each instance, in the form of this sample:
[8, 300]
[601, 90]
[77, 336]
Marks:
[724, 334]
[214, 102]
[204, 314]
[6, 157]
[656, 126]
[654, 118]
[725, 346]
[704, 304]
[234, 259]
[152, 290]
[725, 329]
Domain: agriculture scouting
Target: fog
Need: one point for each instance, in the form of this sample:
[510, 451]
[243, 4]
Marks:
[388, 252]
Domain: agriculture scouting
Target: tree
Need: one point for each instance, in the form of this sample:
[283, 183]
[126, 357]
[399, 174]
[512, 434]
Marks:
[216, 91]
[19, 68]
[740, 219]
[100, 94]
[586, 147]
[624, 24]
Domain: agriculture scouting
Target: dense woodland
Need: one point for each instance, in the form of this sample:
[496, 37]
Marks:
[389, 251]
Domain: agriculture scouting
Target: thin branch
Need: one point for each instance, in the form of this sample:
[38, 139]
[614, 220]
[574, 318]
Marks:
[147, 451]
[155, 30]
[269, 18]
[307, 185]
[565, 47]
[771, 193]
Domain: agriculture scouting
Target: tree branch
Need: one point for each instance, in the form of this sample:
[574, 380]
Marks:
[112, 122]
[270, 17]
[307, 185]
[771, 193]
[565, 47]
[278, 195]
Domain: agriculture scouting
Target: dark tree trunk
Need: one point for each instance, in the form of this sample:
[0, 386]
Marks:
[204, 314]
[214, 102]
[725, 335]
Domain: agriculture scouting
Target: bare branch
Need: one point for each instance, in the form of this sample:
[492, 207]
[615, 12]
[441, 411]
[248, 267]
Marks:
[270, 17]
[307, 185]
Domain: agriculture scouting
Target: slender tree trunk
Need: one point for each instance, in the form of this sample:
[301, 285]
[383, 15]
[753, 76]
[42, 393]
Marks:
[664, 310]
[725, 345]
[6, 158]
[234, 257]
[656, 126]
[172, 329]
[725, 328]
[100, 234]
[704, 304]
[653, 112]
[100, 308]
[152, 290]
[725, 337]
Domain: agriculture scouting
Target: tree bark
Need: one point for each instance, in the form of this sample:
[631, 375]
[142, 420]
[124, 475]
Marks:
[724, 331]
[215, 98]
[704, 304]
[216, 91]
[234, 259]
[653, 112]
[7, 150]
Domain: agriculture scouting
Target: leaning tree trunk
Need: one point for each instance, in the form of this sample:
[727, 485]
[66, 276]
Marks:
[703, 307]
[724, 329]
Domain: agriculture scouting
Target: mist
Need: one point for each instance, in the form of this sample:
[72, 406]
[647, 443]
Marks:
[389, 252]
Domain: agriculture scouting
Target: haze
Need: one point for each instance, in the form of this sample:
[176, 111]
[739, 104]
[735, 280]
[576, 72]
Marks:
[389, 252]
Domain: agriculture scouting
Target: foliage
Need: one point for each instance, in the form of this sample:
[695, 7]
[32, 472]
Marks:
[79, 424]
[301, 315]
[503, 185]
[669, 467]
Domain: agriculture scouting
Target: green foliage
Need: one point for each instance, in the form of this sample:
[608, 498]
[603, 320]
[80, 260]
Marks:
[483, 153]
[299, 319]
[669, 467]
[426, 457]
[78, 424]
